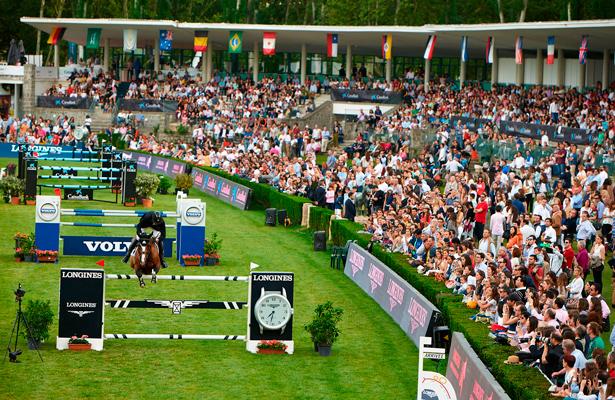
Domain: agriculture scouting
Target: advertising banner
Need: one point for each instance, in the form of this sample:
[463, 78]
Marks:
[63, 102]
[147, 105]
[81, 311]
[469, 377]
[366, 96]
[103, 246]
[413, 313]
[226, 190]
[78, 194]
[11, 150]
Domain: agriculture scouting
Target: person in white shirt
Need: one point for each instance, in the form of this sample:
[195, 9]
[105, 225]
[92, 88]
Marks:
[549, 235]
[527, 230]
[496, 226]
[575, 287]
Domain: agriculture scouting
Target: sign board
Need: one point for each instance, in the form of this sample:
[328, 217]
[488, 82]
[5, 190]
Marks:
[414, 314]
[432, 385]
[103, 246]
[78, 194]
[81, 306]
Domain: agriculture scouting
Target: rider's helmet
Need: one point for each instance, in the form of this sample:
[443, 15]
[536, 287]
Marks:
[157, 217]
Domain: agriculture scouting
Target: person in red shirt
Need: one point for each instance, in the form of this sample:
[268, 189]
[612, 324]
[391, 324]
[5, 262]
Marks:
[568, 255]
[480, 217]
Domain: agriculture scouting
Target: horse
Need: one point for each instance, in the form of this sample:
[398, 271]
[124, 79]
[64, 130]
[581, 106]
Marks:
[145, 260]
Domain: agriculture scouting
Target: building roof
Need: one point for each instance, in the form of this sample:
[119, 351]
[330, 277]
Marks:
[365, 40]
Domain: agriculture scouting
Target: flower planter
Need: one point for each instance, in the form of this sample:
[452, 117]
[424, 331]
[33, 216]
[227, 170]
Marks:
[210, 261]
[28, 258]
[271, 351]
[47, 259]
[15, 201]
[147, 203]
[18, 259]
[192, 263]
[130, 204]
[324, 350]
[30, 202]
[80, 346]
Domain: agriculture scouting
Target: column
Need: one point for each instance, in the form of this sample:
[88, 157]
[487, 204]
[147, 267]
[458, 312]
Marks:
[348, 61]
[28, 95]
[494, 66]
[387, 70]
[605, 68]
[427, 73]
[210, 67]
[520, 73]
[561, 68]
[539, 67]
[17, 101]
[56, 55]
[157, 54]
[80, 53]
[255, 62]
[106, 50]
[303, 63]
[204, 65]
[582, 70]
[462, 73]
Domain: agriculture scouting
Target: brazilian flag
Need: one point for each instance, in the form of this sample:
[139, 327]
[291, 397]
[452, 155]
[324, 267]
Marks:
[234, 42]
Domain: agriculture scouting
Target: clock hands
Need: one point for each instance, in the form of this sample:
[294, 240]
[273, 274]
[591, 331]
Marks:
[270, 316]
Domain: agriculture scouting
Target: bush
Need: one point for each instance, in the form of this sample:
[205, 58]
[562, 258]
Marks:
[12, 186]
[146, 184]
[39, 316]
[183, 181]
[165, 185]
[320, 218]
[323, 328]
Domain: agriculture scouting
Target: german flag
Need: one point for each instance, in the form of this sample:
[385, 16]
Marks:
[200, 41]
[56, 35]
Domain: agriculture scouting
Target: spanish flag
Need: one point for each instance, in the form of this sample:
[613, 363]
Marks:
[200, 41]
[387, 46]
[56, 35]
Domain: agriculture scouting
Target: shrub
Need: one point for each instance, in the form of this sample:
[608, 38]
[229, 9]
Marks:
[39, 315]
[183, 181]
[146, 184]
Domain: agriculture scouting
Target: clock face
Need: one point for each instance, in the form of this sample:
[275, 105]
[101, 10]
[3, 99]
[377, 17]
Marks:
[273, 311]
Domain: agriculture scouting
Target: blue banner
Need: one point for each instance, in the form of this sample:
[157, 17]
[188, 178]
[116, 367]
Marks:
[11, 150]
[103, 246]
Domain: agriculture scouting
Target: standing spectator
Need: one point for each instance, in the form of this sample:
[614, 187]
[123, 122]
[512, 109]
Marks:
[480, 217]
[496, 226]
[349, 209]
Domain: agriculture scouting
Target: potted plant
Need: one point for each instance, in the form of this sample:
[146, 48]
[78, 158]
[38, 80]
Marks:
[191, 260]
[165, 185]
[39, 315]
[183, 183]
[30, 200]
[12, 188]
[323, 328]
[28, 248]
[146, 185]
[20, 239]
[271, 347]
[79, 343]
[212, 248]
[46, 256]
[19, 254]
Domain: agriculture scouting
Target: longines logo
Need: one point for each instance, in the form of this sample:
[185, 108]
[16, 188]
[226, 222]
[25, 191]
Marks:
[273, 278]
[82, 275]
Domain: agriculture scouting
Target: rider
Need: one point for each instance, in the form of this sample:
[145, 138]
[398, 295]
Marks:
[154, 220]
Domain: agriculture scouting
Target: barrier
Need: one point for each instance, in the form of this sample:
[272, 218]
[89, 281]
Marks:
[82, 307]
[51, 185]
[191, 221]
[77, 178]
[48, 167]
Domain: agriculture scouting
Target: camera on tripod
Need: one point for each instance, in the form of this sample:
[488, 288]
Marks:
[19, 293]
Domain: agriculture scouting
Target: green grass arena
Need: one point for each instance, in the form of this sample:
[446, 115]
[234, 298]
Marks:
[372, 359]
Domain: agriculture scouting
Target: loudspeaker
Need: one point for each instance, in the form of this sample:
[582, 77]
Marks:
[281, 216]
[270, 215]
[320, 241]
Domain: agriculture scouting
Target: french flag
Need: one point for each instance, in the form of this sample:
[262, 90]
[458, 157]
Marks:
[583, 50]
[429, 48]
[332, 40]
[519, 50]
[464, 49]
[550, 50]
[268, 43]
[489, 50]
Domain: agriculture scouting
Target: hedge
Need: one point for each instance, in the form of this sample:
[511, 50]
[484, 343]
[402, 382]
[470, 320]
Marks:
[519, 382]
[320, 218]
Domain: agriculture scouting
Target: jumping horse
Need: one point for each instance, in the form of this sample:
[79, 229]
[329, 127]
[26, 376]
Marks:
[145, 259]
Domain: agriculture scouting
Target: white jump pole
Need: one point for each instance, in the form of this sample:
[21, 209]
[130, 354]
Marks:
[172, 336]
[183, 277]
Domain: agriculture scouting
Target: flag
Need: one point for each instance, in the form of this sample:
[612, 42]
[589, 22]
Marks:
[200, 41]
[583, 50]
[464, 49]
[387, 46]
[130, 39]
[268, 43]
[234, 42]
[550, 50]
[93, 39]
[166, 40]
[253, 265]
[429, 48]
[332, 40]
[489, 50]
[56, 35]
[72, 52]
[519, 50]
[101, 263]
